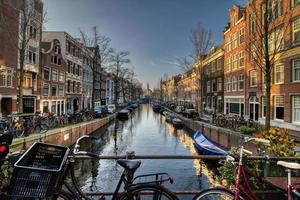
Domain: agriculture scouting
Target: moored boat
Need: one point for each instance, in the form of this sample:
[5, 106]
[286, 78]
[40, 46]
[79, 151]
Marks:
[156, 107]
[177, 123]
[207, 147]
[123, 114]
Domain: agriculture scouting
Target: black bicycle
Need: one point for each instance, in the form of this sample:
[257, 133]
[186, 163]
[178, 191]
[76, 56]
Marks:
[42, 172]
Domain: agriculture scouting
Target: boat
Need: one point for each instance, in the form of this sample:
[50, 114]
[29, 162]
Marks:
[134, 105]
[123, 114]
[177, 123]
[169, 118]
[207, 147]
[156, 107]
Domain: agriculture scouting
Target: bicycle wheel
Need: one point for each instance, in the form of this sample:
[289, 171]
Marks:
[215, 194]
[64, 196]
[149, 192]
[42, 128]
[19, 131]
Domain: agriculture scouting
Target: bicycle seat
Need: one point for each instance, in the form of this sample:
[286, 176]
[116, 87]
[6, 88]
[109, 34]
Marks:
[290, 165]
[130, 165]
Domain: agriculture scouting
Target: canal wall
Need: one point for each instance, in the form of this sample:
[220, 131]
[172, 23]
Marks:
[65, 136]
[226, 138]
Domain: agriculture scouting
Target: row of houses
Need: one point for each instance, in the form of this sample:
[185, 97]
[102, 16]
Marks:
[228, 80]
[58, 69]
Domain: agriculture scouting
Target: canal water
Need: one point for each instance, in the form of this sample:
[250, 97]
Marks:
[145, 132]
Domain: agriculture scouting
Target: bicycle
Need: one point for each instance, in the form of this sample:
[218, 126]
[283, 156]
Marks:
[61, 188]
[14, 125]
[292, 192]
[37, 124]
[240, 192]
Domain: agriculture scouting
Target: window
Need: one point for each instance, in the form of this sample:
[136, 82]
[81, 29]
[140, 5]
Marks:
[47, 74]
[241, 82]
[74, 69]
[227, 66]
[213, 66]
[279, 107]
[229, 43]
[241, 59]
[252, 19]
[296, 30]
[6, 76]
[296, 70]
[27, 81]
[46, 90]
[54, 90]
[253, 78]
[253, 49]
[229, 84]
[275, 9]
[45, 106]
[69, 86]
[242, 36]
[53, 107]
[234, 41]
[54, 75]
[61, 77]
[55, 60]
[279, 73]
[219, 64]
[234, 62]
[296, 109]
[61, 91]
[31, 57]
[32, 32]
[263, 109]
[214, 85]
[208, 87]
[69, 66]
[295, 3]
[220, 84]
[74, 85]
[234, 83]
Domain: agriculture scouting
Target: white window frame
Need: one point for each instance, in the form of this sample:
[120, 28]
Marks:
[61, 77]
[234, 83]
[54, 85]
[53, 75]
[48, 89]
[4, 72]
[241, 35]
[241, 79]
[241, 57]
[297, 30]
[275, 106]
[298, 67]
[279, 68]
[50, 77]
[293, 3]
[253, 74]
[293, 109]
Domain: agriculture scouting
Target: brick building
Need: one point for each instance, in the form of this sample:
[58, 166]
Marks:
[71, 51]
[213, 81]
[52, 79]
[234, 62]
[10, 37]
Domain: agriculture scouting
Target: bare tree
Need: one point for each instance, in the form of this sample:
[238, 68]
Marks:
[100, 46]
[268, 23]
[184, 64]
[202, 42]
[117, 60]
[31, 22]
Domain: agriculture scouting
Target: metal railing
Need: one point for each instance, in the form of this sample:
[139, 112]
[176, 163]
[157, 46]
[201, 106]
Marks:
[131, 155]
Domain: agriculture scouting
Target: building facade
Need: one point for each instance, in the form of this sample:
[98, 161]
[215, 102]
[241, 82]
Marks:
[20, 17]
[52, 79]
[213, 81]
[234, 62]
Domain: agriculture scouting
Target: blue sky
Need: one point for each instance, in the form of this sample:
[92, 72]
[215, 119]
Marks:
[154, 31]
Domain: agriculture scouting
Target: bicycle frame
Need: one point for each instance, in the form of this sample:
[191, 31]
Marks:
[245, 191]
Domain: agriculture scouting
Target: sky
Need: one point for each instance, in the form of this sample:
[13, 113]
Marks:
[154, 31]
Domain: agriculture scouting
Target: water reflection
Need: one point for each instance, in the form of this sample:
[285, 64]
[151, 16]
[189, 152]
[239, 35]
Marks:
[145, 132]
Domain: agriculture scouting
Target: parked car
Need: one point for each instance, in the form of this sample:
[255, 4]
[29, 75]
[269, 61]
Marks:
[179, 109]
[111, 108]
[190, 113]
[99, 111]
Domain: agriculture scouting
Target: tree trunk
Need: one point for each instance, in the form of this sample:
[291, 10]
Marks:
[267, 69]
[22, 63]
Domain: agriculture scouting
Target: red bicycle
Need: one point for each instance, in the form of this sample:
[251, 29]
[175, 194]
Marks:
[240, 192]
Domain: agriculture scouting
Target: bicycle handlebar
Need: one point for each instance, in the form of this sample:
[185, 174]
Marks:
[248, 139]
[77, 144]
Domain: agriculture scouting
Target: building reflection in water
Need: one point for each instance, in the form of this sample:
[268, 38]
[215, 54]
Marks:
[144, 128]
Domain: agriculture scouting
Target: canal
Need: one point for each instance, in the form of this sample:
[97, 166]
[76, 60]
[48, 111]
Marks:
[145, 132]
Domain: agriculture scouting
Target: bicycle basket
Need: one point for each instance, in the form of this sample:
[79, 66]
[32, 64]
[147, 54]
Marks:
[37, 172]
